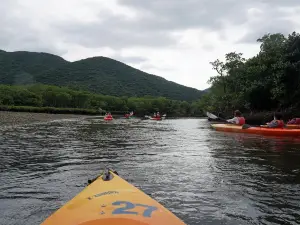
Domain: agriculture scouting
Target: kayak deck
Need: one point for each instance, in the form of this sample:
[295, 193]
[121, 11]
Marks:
[287, 126]
[257, 130]
[112, 201]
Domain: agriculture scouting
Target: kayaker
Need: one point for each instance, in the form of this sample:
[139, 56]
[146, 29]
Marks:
[237, 119]
[157, 115]
[277, 122]
[294, 121]
[154, 115]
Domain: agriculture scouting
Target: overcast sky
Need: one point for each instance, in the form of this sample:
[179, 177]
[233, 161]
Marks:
[175, 39]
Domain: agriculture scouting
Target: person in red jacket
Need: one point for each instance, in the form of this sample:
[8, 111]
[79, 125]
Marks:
[294, 121]
[277, 122]
[238, 119]
[157, 115]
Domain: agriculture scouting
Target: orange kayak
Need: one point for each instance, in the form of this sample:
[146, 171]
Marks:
[110, 200]
[257, 130]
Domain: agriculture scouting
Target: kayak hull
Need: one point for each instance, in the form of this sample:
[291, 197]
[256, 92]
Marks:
[160, 118]
[108, 118]
[257, 130]
[112, 202]
[152, 118]
[293, 126]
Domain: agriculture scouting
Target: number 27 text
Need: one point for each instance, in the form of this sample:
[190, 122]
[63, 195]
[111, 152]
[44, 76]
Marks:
[129, 208]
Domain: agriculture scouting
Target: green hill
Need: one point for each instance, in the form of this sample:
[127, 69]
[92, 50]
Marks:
[22, 67]
[98, 74]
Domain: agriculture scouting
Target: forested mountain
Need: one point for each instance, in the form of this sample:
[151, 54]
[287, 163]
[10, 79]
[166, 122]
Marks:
[22, 67]
[98, 74]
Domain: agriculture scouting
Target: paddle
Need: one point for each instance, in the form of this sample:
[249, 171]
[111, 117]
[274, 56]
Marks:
[212, 116]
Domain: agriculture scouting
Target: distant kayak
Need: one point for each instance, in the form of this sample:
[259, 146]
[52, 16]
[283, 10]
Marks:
[110, 200]
[257, 130]
[108, 118]
[156, 118]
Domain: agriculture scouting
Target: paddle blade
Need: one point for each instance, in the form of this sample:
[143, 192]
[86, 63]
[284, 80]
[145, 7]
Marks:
[212, 116]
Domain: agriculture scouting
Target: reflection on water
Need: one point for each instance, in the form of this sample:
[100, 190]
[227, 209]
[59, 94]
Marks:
[203, 176]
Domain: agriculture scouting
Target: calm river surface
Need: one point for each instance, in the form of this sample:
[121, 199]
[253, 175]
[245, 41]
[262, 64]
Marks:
[203, 176]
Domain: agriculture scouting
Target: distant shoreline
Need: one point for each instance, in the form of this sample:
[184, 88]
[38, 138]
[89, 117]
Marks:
[50, 110]
[10, 118]
[19, 118]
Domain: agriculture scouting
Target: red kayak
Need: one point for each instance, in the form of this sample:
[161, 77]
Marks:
[156, 118]
[108, 118]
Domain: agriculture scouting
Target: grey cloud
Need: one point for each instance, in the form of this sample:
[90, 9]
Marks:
[283, 3]
[113, 32]
[272, 20]
[15, 41]
[156, 21]
[17, 34]
[178, 14]
[27, 40]
[130, 59]
[208, 47]
[148, 66]
[283, 26]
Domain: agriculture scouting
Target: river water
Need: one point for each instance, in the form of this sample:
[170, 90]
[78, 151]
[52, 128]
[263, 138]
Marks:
[203, 176]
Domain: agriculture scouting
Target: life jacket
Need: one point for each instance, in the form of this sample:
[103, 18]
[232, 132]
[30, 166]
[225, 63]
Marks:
[280, 123]
[242, 120]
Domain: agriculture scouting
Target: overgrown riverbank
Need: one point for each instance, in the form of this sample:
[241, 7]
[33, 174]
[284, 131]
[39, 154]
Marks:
[53, 99]
[267, 82]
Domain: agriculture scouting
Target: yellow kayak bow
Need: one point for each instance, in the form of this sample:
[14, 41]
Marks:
[110, 200]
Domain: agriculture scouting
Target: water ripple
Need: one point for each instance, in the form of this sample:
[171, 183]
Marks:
[203, 176]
